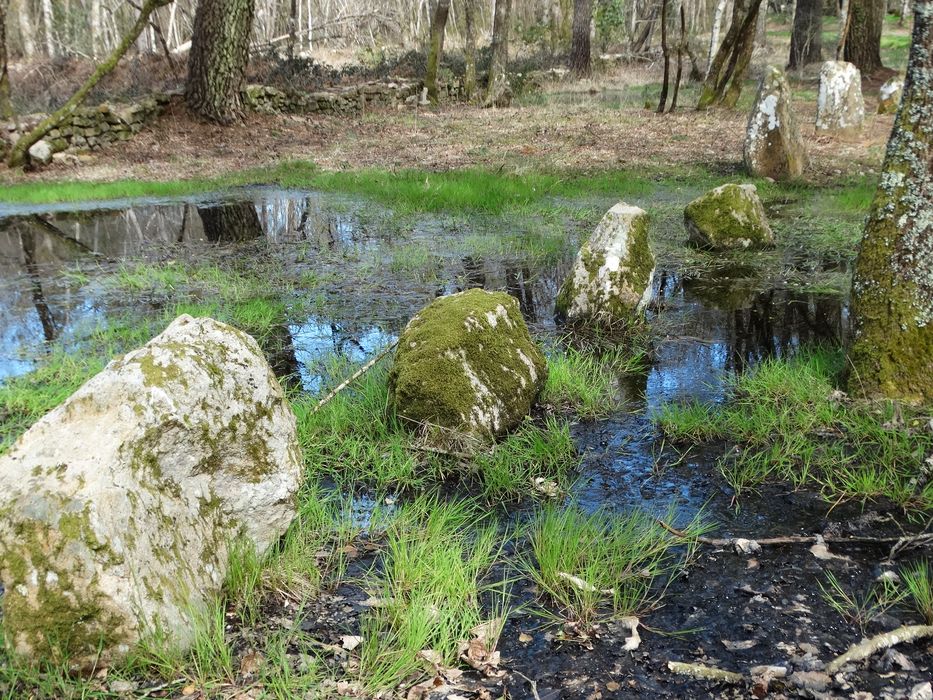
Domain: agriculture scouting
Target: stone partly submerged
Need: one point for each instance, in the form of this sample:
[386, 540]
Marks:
[773, 147]
[117, 509]
[839, 104]
[889, 96]
[728, 217]
[611, 279]
[466, 368]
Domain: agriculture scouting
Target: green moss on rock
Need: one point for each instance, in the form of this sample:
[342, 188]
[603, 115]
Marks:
[728, 217]
[467, 363]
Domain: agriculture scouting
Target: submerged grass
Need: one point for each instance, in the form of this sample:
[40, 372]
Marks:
[586, 382]
[789, 422]
[602, 565]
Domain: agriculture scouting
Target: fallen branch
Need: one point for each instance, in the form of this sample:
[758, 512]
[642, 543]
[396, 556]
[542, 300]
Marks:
[868, 647]
[900, 543]
[706, 673]
[352, 378]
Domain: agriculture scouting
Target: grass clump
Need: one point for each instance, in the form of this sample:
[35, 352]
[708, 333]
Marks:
[603, 565]
[788, 422]
[860, 608]
[918, 578]
[430, 585]
[586, 382]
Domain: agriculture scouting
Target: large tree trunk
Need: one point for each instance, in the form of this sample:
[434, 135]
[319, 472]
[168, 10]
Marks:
[499, 90]
[863, 39]
[218, 59]
[469, 76]
[580, 38]
[723, 83]
[18, 153]
[892, 290]
[436, 49]
[806, 39]
[6, 104]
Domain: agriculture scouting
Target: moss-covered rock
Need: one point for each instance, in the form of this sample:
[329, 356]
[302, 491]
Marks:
[839, 104]
[466, 363]
[773, 147]
[728, 217]
[117, 508]
[611, 278]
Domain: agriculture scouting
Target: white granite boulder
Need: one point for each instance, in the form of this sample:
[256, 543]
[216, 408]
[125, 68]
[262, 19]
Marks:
[117, 508]
[773, 147]
[839, 103]
[889, 96]
[611, 279]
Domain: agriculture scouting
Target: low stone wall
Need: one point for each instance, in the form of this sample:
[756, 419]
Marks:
[90, 128]
[346, 100]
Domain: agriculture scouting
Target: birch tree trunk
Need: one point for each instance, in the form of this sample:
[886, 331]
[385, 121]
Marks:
[723, 83]
[218, 59]
[714, 36]
[26, 30]
[436, 49]
[96, 32]
[892, 291]
[47, 23]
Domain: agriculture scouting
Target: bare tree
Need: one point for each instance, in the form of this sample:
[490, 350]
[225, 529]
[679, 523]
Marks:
[580, 38]
[6, 104]
[436, 48]
[218, 59]
[499, 92]
[892, 290]
[806, 39]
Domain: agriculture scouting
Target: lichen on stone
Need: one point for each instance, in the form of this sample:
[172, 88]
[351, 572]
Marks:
[728, 217]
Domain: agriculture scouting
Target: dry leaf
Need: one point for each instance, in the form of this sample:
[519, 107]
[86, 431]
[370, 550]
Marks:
[739, 646]
[431, 656]
[525, 638]
[821, 551]
[350, 642]
[612, 686]
[188, 690]
[250, 663]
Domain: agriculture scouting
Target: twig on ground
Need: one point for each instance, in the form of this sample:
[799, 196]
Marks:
[867, 647]
[353, 377]
[708, 673]
[533, 684]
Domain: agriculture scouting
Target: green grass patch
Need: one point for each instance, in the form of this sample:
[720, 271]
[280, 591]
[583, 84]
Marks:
[597, 566]
[586, 382]
[918, 579]
[788, 422]
[430, 582]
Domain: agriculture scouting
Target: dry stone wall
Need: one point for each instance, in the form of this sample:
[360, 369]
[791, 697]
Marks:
[347, 100]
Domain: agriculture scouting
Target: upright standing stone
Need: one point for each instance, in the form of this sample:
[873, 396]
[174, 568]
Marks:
[839, 104]
[611, 278]
[117, 508]
[773, 147]
[889, 96]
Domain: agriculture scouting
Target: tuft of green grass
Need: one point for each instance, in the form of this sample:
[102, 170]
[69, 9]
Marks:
[602, 565]
[918, 578]
[430, 584]
[788, 422]
[586, 382]
[532, 461]
[860, 608]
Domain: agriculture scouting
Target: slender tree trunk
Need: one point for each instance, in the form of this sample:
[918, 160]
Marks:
[218, 59]
[806, 39]
[498, 90]
[436, 49]
[292, 28]
[714, 35]
[580, 38]
[662, 100]
[26, 30]
[469, 77]
[18, 153]
[47, 23]
[681, 50]
[6, 104]
[863, 40]
[892, 290]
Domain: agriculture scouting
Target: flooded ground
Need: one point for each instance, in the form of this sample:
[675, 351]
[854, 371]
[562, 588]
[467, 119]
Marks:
[341, 276]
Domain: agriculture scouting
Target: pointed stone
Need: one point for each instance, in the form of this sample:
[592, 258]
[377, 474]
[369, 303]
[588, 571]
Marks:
[773, 147]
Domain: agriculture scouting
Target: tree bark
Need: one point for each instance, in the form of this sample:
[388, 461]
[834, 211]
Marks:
[26, 29]
[47, 22]
[6, 104]
[863, 39]
[218, 59]
[436, 49]
[681, 50]
[469, 77]
[498, 92]
[662, 100]
[892, 290]
[18, 153]
[806, 39]
[723, 83]
[714, 35]
[580, 38]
